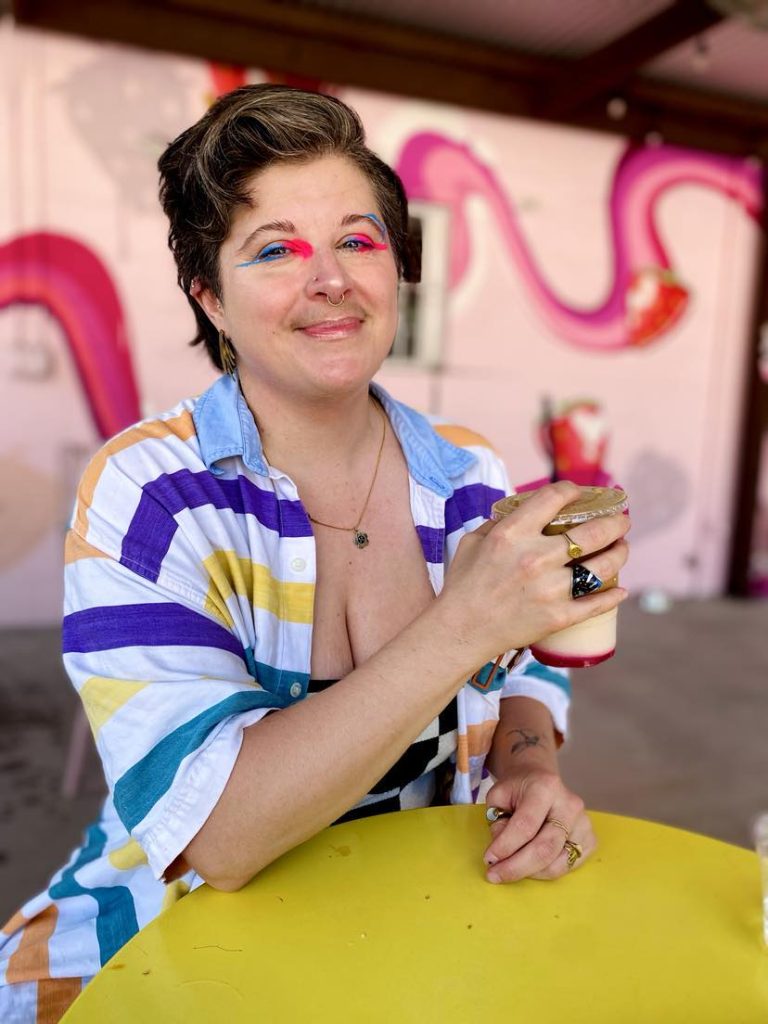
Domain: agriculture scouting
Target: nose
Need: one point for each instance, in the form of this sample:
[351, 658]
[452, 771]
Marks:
[328, 277]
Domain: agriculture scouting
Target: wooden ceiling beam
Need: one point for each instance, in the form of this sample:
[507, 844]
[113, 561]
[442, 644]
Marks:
[393, 59]
[605, 70]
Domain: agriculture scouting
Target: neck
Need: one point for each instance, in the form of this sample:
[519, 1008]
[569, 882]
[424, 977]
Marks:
[313, 435]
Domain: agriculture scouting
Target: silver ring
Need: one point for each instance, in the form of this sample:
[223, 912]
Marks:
[496, 814]
[583, 581]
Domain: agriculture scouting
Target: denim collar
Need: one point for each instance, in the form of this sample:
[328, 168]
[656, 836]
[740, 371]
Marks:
[226, 427]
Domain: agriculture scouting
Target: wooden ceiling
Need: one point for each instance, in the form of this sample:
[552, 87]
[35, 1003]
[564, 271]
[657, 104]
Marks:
[341, 41]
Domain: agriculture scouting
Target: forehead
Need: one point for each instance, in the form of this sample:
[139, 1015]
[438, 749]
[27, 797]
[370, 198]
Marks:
[329, 186]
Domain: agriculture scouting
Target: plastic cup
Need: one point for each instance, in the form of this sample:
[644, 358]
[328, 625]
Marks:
[590, 642]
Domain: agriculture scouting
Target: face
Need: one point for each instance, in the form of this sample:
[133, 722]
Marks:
[313, 232]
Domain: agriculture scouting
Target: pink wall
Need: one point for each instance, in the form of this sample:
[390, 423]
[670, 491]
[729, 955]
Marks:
[82, 127]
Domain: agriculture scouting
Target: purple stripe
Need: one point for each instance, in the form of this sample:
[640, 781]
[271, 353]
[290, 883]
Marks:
[149, 536]
[143, 625]
[468, 503]
[432, 543]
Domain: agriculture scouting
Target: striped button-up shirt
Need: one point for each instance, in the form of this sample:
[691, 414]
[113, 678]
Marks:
[190, 580]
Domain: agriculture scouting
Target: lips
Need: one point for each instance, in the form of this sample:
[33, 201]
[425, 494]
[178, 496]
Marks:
[336, 328]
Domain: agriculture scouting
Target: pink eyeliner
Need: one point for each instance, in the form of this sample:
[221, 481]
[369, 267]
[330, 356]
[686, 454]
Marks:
[369, 242]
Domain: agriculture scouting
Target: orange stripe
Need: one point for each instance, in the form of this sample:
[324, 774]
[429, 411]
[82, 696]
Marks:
[181, 426]
[54, 998]
[476, 742]
[462, 436]
[17, 921]
[30, 960]
[75, 548]
[480, 737]
[462, 757]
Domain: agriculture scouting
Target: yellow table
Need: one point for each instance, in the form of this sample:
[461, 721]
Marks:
[390, 920]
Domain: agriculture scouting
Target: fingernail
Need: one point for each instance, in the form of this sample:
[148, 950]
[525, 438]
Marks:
[490, 860]
[493, 878]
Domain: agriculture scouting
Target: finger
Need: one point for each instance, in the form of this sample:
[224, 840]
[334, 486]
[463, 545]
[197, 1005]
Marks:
[594, 535]
[525, 822]
[543, 851]
[606, 566]
[542, 507]
[583, 608]
[582, 834]
[608, 563]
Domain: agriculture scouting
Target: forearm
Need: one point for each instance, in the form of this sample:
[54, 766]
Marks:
[301, 768]
[524, 736]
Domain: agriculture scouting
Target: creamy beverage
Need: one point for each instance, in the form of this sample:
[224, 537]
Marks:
[586, 643]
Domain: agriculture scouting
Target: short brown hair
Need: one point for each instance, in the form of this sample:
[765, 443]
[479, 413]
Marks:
[205, 171]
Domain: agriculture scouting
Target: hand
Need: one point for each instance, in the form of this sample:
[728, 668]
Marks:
[508, 585]
[527, 845]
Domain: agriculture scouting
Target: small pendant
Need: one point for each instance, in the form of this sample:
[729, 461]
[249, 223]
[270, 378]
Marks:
[361, 539]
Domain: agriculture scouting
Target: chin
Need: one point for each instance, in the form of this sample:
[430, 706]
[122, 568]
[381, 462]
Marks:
[347, 376]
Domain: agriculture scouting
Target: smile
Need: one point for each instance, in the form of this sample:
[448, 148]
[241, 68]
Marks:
[340, 328]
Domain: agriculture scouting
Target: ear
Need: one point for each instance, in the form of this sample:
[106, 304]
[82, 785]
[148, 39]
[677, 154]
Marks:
[208, 302]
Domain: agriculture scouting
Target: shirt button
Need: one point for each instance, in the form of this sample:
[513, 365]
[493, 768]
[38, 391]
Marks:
[299, 564]
[295, 687]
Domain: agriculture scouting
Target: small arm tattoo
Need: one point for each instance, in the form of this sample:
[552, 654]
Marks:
[528, 738]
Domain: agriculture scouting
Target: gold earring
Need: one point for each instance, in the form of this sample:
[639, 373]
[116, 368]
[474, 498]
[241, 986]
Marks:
[227, 355]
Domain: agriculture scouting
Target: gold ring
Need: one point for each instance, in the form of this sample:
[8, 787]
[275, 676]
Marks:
[496, 814]
[574, 852]
[559, 824]
[574, 551]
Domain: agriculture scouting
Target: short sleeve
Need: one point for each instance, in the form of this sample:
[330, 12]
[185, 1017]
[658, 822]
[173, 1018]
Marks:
[549, 686]
[150, 646]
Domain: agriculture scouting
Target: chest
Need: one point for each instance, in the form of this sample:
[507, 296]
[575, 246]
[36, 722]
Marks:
[366, 596]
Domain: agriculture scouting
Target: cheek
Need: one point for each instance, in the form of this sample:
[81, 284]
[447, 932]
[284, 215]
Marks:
[267, 300]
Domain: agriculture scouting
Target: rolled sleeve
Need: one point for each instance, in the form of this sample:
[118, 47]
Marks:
[549, 686]
[168, 691]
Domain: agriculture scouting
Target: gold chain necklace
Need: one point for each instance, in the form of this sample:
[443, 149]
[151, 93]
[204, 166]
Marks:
[360, 538]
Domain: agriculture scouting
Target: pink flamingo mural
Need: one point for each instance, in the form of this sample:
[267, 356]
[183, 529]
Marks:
[70, 281]
[646, 297]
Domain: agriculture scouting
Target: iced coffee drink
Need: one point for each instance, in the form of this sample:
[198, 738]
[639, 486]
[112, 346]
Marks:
[590, 642]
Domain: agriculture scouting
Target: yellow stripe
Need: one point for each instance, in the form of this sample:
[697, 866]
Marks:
[462, 436]
[174, 891]
[181, 426]
[128, 856]
[102, 697]
[230, 574]
[76, 548]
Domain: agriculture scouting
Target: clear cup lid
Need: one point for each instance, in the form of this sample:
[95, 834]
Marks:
[594, 503]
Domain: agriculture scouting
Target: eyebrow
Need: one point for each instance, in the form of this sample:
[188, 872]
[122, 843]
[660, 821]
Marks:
[287, 228]
[283, 226]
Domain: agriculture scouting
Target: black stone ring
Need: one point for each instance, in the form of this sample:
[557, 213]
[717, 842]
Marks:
[584, 582]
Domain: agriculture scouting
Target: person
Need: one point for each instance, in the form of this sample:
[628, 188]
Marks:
[285, 603]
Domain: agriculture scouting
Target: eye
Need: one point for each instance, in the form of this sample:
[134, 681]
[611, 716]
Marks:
[358, 243]
[273, 251]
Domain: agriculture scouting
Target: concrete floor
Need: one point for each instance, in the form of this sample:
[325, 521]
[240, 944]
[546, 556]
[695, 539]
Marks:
[670, 730]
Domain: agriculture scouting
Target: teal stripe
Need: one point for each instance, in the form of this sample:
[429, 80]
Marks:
[137, 792]
[277, 680]
[116, 921]
[482, 677]
[548, 675]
